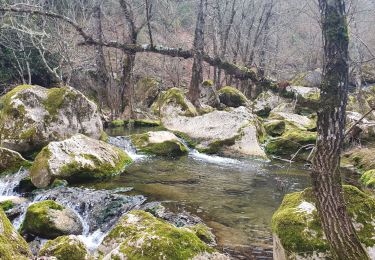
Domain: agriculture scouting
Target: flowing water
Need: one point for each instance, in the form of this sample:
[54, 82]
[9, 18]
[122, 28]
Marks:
[235, 197]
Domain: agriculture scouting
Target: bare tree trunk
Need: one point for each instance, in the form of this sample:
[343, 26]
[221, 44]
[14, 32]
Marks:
[326, 178]
[198, 52]
[101, 69]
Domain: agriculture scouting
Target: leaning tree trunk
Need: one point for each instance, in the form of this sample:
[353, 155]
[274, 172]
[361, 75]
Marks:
[198, 52]
[326, 178]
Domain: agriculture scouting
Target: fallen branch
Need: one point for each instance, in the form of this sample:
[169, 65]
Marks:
[358, 121]
[231, 69]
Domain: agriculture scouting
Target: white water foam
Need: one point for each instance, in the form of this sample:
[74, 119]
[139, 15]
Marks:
[214, 159]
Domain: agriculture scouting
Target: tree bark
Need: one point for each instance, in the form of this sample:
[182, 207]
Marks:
[326, 178]
[198, 52]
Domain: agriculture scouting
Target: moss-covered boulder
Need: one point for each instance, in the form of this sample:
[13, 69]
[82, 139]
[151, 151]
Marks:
[368, 179]
[48, 219]
[235, 132]
[139, 235]
[173, 102]
[232, 97]
[65, 248]
[275, 127]
[307, 99]
[362, 158]
[32, 116]
[11, 161]
[12, 245]
[162, 143]
[78, 158]
[300, 121]
[298, 232]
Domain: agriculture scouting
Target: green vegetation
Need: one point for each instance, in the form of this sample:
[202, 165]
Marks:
[64, 248]
[232, 97]
[174, 96]
[38, 222]
[12, 245]
[6, 205]
[368, 179]
[55, 100]
[142, 236]
[300, 231]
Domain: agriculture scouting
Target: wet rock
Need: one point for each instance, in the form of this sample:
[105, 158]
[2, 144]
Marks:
[49, 219]
[298, 233]
[11, 161]
[162, 143]
[232, 97]
[139, 234]
[220, 131]
[76, 159]
[65, 248]
[12, 245]
[32, 116]
[100, 208]
[173, 102]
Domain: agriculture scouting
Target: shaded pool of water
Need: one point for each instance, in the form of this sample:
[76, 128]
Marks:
[235, 197]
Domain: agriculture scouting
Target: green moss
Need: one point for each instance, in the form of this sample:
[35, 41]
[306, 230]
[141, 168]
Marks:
[368, 179]
[299, 80]
[232, 97]
[6, 205]
[55, 100]
[75, 171]
[275, 127]
[361, 158]
[301, 232]
[104, 136]
[215, 146]
[191, 143]
[208, 83]
[117, 123]
[203, 232]
[28, 134]
[176, 96]
[37, 220]
[40, 163]
[11, 162]
[64, 248]
[166, 148]
[142, 236]
[290, 142]
[12, 245]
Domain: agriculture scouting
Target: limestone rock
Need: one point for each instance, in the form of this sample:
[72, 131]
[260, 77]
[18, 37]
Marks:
[12, 245]
[232, 97]
[77, 158]
[32, 116]
[159, 143]
[65, 248]
[298, 233]
[218, 131]
[139, 235]
[268, 101]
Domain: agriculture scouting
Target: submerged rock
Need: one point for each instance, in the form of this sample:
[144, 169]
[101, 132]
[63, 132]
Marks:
[232, 97]
[12, 245]
[49, 219]
[235, 131]
[11, 161]
[139, 235]
[32, 116]
[159, 143]
[297, 230]
[77, 158]
[65, 248]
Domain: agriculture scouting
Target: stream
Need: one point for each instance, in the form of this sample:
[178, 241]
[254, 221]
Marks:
[235, 197]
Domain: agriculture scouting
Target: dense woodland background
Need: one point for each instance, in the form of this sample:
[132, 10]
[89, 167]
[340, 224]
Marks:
[279, 37]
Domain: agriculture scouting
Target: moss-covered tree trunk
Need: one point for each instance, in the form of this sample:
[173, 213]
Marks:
[326, 178]
[198, 52]
[128, 86]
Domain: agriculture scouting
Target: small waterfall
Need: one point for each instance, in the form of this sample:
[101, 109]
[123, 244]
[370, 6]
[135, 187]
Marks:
[214, 159]
[125, 143]
[9, 182]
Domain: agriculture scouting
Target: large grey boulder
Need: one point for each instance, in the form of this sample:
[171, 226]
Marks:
[77, 158]
[235, 131]
[308, 79]
[32, 116]
[268, 101]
